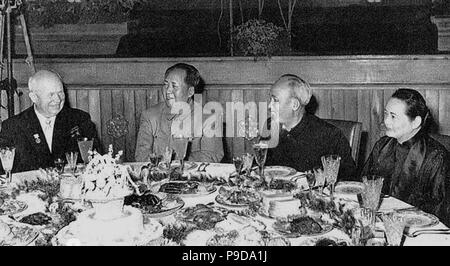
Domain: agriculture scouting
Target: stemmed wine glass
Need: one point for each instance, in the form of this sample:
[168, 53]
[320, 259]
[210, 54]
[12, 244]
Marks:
[371, 194]
[7, 158]
[331, 165]
[71, 158]
[320, 176]
[85, 145]
[238, 164]
[394, 225]
[247, 160]
[311, 179]
[260, 150]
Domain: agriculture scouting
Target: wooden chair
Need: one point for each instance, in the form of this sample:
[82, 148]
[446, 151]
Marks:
[443, 139]
[352, 131]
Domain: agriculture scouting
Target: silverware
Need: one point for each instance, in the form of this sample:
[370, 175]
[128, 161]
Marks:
[398, 210]
[200, 166]
[204, 167]
[428, 231]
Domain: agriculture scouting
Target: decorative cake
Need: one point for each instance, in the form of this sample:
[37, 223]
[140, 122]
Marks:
[70, 187]
[126, 230]
[104, 178]
[109, 222]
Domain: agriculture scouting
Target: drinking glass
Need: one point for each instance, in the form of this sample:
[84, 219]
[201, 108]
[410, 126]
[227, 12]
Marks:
[310, 178]
[371, 194]
[238, 164]
[331, 167]
[7, 158]
[167, 158]
[71, 158]
[320, 177]
[247, 163]
[179, 145]
[59, 164]
[260, 150]
[85, 145]
[394, 224]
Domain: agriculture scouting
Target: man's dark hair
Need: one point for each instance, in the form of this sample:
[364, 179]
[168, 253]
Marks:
[192, 78]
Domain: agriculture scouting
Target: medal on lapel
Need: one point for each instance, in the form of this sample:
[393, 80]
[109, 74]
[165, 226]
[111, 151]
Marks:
[36, 138]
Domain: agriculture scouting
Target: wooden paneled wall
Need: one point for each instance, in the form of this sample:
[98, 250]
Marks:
[350, 88]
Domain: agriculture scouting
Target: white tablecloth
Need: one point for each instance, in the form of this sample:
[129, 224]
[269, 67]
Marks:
[390, 203]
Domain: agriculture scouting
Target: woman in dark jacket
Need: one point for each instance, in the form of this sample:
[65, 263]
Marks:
[415, 167]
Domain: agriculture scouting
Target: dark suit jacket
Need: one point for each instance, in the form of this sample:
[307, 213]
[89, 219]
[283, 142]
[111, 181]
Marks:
[24, 132]
[303, 146]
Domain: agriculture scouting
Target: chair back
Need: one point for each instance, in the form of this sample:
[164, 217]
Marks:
[443, 139]
[352, 131]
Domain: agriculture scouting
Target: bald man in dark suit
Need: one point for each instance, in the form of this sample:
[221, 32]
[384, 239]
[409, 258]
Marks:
[48, 129]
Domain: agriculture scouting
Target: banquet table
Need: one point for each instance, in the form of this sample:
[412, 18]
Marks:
[224, 170]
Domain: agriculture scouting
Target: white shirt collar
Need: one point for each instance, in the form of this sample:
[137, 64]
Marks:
[43, 120]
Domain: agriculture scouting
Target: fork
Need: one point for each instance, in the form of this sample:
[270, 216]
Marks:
[204, 167]
[200, 166]
[428, 231]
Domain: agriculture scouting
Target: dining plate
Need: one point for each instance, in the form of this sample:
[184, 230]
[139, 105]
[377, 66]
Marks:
[325, 241]
[244, 199]
[176, 164]
[279, 172]
[169, 206]
[187, 189]
[418, 219]
[349, 188]
[11, 206]
[20, 235]
[282, 226]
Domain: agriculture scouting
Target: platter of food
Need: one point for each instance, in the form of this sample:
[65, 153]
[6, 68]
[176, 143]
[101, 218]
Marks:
[176, 164]
[418, 219]
[155, 205]
[246, 236]
[187, 188]
[325, 241]
[12, 206]
[282, 185]
[279, 172]
[235, 197]
[349, 188]
[202, 216]
[17, 234]
[293, 227]
[38, 218]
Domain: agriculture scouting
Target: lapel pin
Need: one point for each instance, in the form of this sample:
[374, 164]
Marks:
[36, 138]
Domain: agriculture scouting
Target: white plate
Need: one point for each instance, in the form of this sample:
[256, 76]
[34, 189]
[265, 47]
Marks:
[279, 172]
[418, 219]
[153, 230]
[21, 235]
[170, 206]
[12, 206]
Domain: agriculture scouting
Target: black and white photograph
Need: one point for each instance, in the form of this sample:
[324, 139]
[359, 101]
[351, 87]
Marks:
[215, 130]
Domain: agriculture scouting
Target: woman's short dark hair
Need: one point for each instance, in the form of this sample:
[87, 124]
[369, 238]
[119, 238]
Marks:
[416, 106]
[192, 78]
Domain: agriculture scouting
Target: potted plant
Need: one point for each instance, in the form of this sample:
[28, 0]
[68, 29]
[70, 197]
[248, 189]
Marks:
[441, 18]
[257, 38]
[73, 26]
